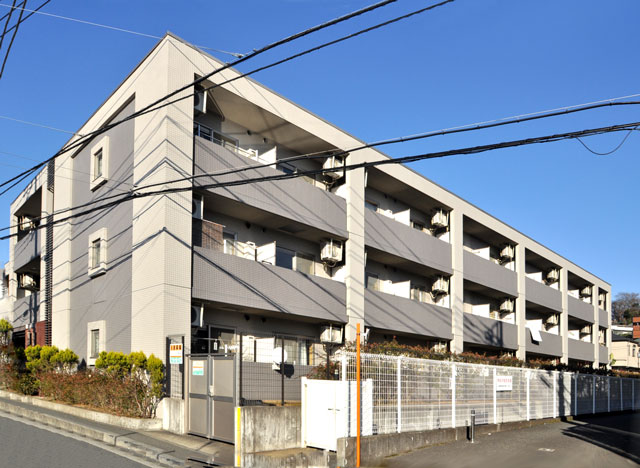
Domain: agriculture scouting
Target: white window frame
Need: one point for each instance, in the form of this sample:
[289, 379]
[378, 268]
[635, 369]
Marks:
[101, 326]
[99, 235]
[102, 145]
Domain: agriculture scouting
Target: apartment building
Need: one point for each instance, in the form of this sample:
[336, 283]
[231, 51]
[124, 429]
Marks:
[385, 248]
[626, 353]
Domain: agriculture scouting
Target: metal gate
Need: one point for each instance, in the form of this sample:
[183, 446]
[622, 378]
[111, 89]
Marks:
[212, 396]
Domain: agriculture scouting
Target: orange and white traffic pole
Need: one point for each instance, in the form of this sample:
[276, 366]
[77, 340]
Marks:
[358, 391]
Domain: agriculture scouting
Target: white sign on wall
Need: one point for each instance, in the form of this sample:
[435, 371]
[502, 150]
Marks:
[504, 383]
[175, 353]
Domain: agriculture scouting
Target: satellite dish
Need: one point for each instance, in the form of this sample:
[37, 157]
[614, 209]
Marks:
[277, 355]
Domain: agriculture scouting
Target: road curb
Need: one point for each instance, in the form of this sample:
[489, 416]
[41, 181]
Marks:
[113, 439]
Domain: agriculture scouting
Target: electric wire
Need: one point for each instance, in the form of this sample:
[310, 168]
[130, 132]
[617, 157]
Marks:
[345, 168]
[13, 36]
[35, 124]
[81, 141]
[6, 24]
[114, 28]
[608, 152]
[42, 5]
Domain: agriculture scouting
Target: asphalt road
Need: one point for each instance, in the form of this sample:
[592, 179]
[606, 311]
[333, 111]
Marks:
[599, 441]
[28, 445]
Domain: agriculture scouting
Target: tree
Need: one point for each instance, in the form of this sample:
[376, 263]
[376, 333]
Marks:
[625, 307]
[5, 332]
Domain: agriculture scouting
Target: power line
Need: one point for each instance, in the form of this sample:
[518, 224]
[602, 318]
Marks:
[80, 141]
[608, 152]
[15, 33]
[6, 24]
[26, 17]
[348, 167]
[26, 122]
[114, 28]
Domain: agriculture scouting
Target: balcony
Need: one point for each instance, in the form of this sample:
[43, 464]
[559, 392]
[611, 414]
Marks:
[581, 310]
[400, 314]
[25, 310]
[26, 249]
[543, 295]
[551, 344]
[390, 236]
[603, 318]
[603, 354]
[489, 332]
[291, 198]
[219, 277]
[486, 273]
[580, 350]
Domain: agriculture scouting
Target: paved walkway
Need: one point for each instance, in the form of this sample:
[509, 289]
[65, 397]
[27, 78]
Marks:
[609, 441]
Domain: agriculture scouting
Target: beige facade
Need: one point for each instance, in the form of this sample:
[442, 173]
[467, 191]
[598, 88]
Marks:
[526, 300]
[626, 354]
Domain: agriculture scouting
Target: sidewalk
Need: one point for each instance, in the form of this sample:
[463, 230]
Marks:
[162, 447]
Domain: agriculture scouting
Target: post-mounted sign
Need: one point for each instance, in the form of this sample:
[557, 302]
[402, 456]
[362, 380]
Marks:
[175, 353]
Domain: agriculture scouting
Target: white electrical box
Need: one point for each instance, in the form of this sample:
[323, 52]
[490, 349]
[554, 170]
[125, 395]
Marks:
[196, 315]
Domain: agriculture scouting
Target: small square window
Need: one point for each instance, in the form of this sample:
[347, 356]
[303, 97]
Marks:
[99, 163]
[95, 344]
[229, 239]
[97, 261]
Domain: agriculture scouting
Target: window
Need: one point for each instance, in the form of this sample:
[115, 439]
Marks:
[373, 282]
[95, 344]
[305, 263]
[284, 257]
[99, 163]
[96, 340]
[97, 253]
[229, 239]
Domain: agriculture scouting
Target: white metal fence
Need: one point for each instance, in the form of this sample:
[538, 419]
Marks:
[411, 394]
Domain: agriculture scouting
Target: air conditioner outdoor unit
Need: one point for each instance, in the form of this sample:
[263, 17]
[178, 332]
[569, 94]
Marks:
[333, 162]
[507, 253]
[331, 334]
[331, 251]
[196, 315]
[507, 305]
[585, 292]
[552, 275]
[551, 320]
[197, 207]
[440, 285]
[27, 281]
[440, 219]
[26, 223]
[585, 330]
[200, 100]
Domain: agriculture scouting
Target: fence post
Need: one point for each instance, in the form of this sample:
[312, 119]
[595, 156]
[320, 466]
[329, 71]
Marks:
[633, 394]
[453, 395]
[621, 405]
[528, 379]
[555, 394]
[594, 394]
[399, 393]
[608, 394]
[282, 373]
[575, 391]
[495, 398]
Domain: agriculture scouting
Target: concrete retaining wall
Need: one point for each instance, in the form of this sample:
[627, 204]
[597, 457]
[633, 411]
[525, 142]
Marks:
[171, 411]
[375, 448]
[127, 423]
[265, 428]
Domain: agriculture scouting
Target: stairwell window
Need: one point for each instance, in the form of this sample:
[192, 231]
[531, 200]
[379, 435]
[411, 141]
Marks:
[96, 340]
[98, 253]
[99, 163]
[95, 344]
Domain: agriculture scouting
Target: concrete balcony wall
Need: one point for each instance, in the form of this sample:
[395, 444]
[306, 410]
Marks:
[580, 350]
[386, 234]
[25, 310]
[219, 277]
[489, 274]
[580, 309]
[292, 198]
[551, 345]
[543, 295]
[603, 318]
[26, 249]
[603, 354]
[486, 331]
[399, 314]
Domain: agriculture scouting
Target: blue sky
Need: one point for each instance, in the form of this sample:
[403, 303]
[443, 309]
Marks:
[469, 61]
